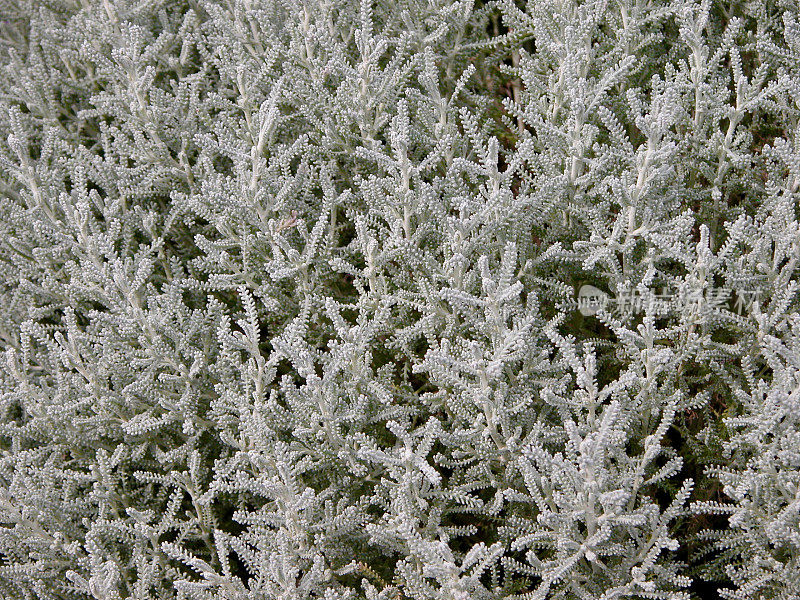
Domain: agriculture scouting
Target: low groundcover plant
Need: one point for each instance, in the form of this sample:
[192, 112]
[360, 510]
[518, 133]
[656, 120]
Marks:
[425, 299]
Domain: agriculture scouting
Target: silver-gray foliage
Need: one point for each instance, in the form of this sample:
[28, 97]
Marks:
[287, 299]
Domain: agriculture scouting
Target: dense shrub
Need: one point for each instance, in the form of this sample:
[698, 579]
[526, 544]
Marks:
[421, 299]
